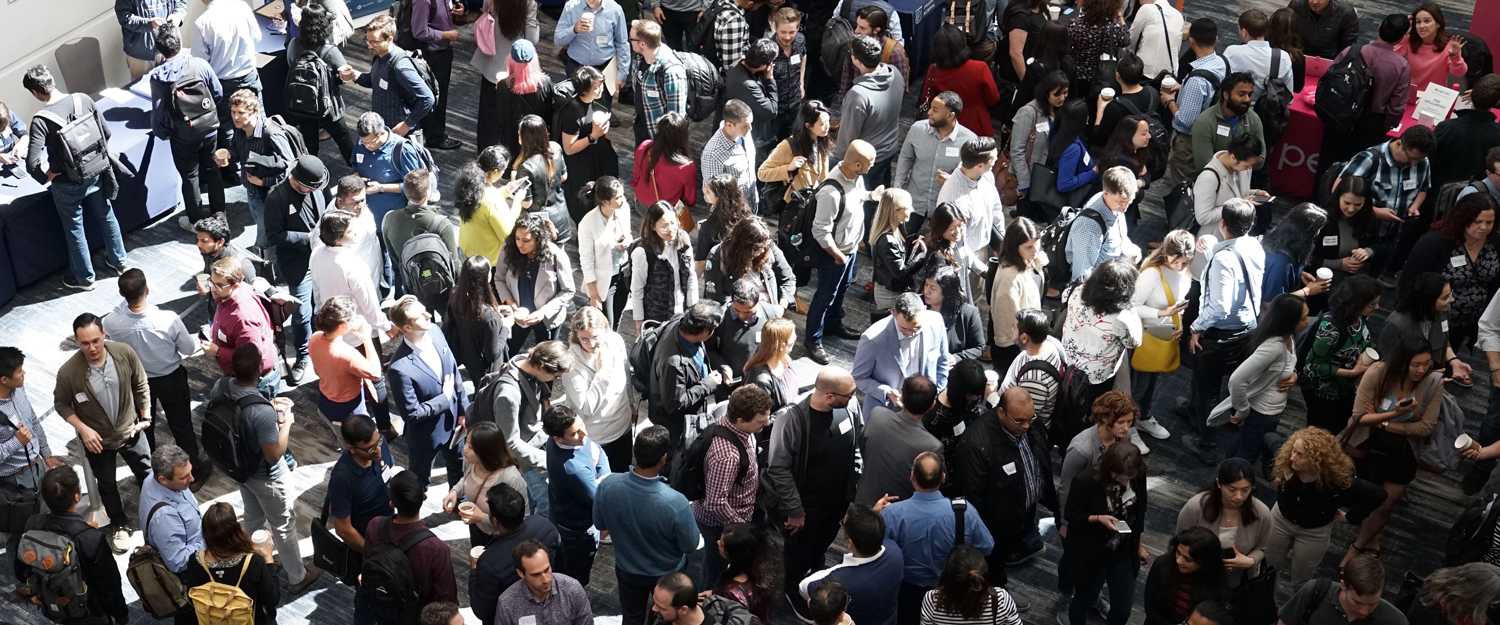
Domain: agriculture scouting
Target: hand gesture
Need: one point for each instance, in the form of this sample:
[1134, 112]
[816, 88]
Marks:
[211, 349]
[1461, 370]
[660, 19]
[450, 35]
[797, 163]
[53, 463]
[942, 177]
[450, 503]
[794, 524]
[1313, 285]
[1456, 45]
[1239, 561]
[1350, 264]
[717, 377]
[895, 398]
[1360, 254]
[599, 130]
[884, 501]
[1287, 384]
[90, 438]
[448, 385]
[877, 193]
[1193, 345]
[1386, 214]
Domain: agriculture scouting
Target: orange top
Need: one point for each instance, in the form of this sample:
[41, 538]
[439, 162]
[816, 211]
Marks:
[341, 369]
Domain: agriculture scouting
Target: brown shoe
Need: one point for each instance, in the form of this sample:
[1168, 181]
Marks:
[313, 575]
[801, 306]
[870, 286]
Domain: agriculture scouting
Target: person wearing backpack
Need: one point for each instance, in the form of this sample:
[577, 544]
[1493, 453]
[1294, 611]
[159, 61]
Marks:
[924, 525]
[837, 228]
[544, 597]
[91, 567]
[1038, 367]
[730, 473]
[24, 452]
[1255, 54]
[266, 151]
[79, 182]
[1092, 241]
[383, 158]
[661, 83]
[397, 89]
[521, 389]
[1198, 90]
[576, 465]
[263, 436]
[1217, 125]
[1355, 598]
[226, 35]
[1401, 181]
[316, 53]
[494, 572]
[170, 520]
[683, 381]
[428, 393]
[138, 22]
[387, 593]
[184, 94]
[1384, 102]
[675, 601]
[1135, 97]
[229, 559]
[433, 31]
[417, 219]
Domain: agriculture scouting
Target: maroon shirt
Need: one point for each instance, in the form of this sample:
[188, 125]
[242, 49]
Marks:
[431, 560]
[1390, 76]
[242, 319]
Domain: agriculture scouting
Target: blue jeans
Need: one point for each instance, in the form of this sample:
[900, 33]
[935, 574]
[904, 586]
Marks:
[293, 264]
[270, 383]
[71, 200]
[713, 562]
[536, 491]
[827, 308]
[1249, 443]
[1120, 574]
[576, 559]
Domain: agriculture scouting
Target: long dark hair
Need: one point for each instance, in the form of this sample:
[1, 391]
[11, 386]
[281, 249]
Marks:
[1363, 222]
[1070, 122]
[649, 239]
[1121, 145]
[947, 278]
[490, 447]
[510, 17]
[941, 220]
[1285, 33]
[739, 249]
[1016, 235]
[950, 48]
[1108, 289]
[1230, 471]
[803, 142]
[1053, 49]
[472, 294]
[729, 202]
[315, 29]
[1122, 458]
[542, 232]
[966, 382]
[1464, 212]
[670, 141]
[535, 141]
[222, 533]
[1419, 298]
[468, 190]
[1395, 364]
[1280, 319]
[1350, 297]
[1297, 233]
[963, 588]
[1051, 82]
[1210, 581]
[750, 552]
[1440, 38]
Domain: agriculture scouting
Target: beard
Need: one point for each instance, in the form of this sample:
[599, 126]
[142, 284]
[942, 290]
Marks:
[1239, 109]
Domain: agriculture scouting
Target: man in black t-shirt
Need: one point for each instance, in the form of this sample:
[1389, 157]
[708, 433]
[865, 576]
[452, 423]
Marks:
[1354, 600]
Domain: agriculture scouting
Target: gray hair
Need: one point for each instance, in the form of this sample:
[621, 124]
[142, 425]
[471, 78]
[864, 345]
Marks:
[1464, 592]
[744, 291]
[370, 124]
[909, 305]
[951, 100]
[736, 111]
[166, 459]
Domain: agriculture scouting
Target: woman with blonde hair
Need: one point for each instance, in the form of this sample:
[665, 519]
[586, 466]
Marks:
[1314, 481]
[770, 367]
[895, 260]
[598, 385]
[1161, 294]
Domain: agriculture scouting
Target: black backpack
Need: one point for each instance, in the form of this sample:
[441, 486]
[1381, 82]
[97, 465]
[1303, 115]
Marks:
[1343, 96]
[797, 223]
[423, 69]
[642, 355]
[85, 147]
[1448, 196]
[705, 88]
[701, 39]
[482, 403]
[1161, 138]
[1055, 243]
[191, 108]
[401, 13]
[1470, 536]
[308, 91]
[1274, 107]
[837, 34]
[1047, 369]
[691, 478]
[293, 135]
[386, 581]
[227, 440]
[427, 269]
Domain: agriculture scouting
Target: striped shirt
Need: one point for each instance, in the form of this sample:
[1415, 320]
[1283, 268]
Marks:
[1041, 385]
[1001, 610]
[661, 87]
[13, 455]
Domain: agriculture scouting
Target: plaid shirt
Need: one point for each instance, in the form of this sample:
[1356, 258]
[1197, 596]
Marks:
[1394, 186]
[726, 501]
[661, 87]
[14, 456]
[731, 34]
[898, 60]
[397, 92]
[736, 158]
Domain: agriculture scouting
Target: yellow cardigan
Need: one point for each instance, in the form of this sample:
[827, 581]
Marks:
[485, 231]
[774, 170]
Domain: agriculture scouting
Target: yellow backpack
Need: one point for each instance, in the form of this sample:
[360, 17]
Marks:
[223, 604]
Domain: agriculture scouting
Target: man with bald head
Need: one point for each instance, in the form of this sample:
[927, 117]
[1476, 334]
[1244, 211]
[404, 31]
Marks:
[837, 229]
[924, 527]
[1004, 470]
[812, 470]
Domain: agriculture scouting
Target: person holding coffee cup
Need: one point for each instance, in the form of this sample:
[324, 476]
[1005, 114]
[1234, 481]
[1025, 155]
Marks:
[1289, 253]
[1340, 353]
[487, 462]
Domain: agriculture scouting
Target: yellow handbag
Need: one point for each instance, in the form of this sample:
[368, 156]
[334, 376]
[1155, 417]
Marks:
[1156, 355]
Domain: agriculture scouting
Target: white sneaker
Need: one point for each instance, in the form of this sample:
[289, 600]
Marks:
[1154, 429]
[186, 224]
[119, 540]
[1135, 438]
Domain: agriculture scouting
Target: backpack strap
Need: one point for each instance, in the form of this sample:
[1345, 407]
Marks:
[244, 567]
[1275, 72]
[1320, 592]
[724, 433]
[411, 539]
[146, 528]
[960, 508]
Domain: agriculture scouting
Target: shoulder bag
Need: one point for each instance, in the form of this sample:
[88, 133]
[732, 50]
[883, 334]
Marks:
[1156, 355]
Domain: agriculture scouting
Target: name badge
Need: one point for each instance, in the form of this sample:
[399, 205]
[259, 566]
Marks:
[602, 40]
[848, 424]
[528, 620]
[795, 60]
[383, 84]
[1087, 160]
[1223, 131]
[1445, 325]
[1458, 261]
[222, 337]
[1010, 468]
[292, 210]
[1331, 241]
[952, 152]
[958, 430]
[652, 93]
[81, 398]
[389, 472]
[1043, 127]
[359, 158]
[1409, 184]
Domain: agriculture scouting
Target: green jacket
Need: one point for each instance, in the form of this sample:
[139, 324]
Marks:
[401, 225]
[1211, 134]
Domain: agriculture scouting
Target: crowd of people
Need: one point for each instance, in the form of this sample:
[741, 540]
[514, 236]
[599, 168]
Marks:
[1022, 321]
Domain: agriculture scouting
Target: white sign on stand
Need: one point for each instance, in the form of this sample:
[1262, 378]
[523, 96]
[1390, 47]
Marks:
[1433, 104]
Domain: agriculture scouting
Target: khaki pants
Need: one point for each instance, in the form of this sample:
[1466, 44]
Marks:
[1180, 160]
[1296, 549]
[138, 67]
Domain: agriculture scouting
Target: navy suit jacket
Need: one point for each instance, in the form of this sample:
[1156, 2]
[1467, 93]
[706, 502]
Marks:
[417, 391]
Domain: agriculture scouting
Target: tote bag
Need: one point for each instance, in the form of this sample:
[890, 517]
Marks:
[1156, 355]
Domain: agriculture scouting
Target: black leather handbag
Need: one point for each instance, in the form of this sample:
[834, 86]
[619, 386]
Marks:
[330, 553]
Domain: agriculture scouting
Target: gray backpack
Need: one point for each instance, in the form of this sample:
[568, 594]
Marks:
[53, 578]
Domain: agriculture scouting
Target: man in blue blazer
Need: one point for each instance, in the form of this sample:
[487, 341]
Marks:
[912, 341]
[427, 391]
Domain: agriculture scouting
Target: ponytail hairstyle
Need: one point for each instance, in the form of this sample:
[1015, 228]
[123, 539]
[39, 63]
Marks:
[605, 189]
[963, 588]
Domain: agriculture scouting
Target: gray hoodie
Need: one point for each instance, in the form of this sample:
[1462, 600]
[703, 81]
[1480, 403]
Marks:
[872, 111]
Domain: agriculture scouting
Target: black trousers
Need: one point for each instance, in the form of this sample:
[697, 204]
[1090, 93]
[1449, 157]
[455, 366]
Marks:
[518, 335]
[192, 160]
[806, 551]
[172, 392]
[619, 451]
[487, 129]
[423, 453]
[675, 30]
[137, 456]
[435, 124]
[635, 596]
[909, 604]
[1220, 356]
[337, 131]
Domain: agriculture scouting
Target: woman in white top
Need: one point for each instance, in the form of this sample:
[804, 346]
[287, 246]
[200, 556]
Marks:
[504, 21]
[1101, 324]
[964, 596]
[487, 462]
[1225, 177]
[662, 280]
[598, 385]
[603, 241]
[1164, 271]
[1258, 387]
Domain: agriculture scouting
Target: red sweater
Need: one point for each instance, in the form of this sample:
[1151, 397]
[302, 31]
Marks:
[239, 320]
[673, 181]
[975, 85]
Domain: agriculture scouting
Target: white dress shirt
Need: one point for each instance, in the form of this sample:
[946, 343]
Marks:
[226, 36]
[978, 202]
[1255, 57]
[338, 271]
[366, 244]
[1156, 35]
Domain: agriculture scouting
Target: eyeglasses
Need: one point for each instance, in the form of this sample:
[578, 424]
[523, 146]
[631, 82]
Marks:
[216, 285]
[850, 396]
[367, 449]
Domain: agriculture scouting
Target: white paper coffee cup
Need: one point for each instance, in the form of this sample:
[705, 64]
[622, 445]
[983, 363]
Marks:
[260, 537]
[474, 556]
[1169, 83]
[1325, 273]
[1462, 442]
[1370, 356]
[1108, 93]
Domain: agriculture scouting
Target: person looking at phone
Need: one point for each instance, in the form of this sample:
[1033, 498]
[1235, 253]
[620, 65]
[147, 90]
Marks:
[383, 158]
[1161, 295]
[1241, 522]
[1401, 177]
[1106, 509]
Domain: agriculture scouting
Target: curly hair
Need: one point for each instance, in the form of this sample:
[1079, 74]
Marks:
[1108, 290]
[1098, 12]
[315, 28]
[468, 191]
[729, 201]
[1113, 406]
[542, 233]
[1464, 212]
[747, 249]
[1334, 466]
